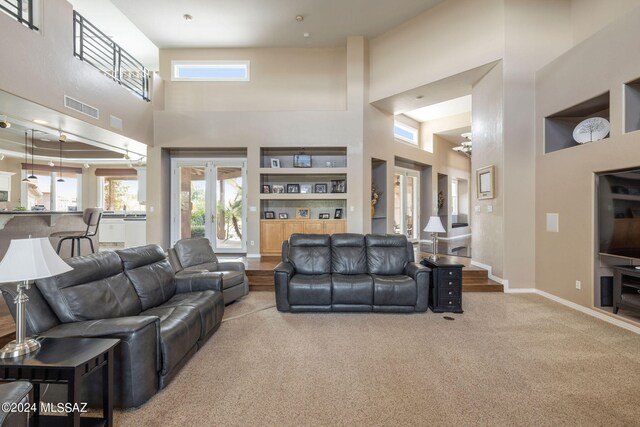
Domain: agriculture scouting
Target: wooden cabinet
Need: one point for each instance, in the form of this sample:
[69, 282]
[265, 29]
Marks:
[274, 231]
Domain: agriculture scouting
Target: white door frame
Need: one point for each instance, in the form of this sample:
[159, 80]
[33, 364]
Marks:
[403, 202]
[210, 164]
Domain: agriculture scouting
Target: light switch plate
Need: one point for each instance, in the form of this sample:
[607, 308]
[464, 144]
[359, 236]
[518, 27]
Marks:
[553, 223]
[489, 208]
[477, 209]
[253, 209]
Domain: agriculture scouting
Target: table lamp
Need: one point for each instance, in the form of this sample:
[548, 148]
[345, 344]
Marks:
[434, 226]
[25, 260]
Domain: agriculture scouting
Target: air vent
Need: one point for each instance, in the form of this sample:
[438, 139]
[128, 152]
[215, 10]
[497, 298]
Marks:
[80, 107]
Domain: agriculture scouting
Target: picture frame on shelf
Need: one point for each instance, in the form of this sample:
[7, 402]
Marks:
[275, 163]
[325, 216]
[485, 182]
[302, 161]
[338, 186]
[320, 188]
[283, 215]
[277, 188]
[266, 189]
[306, 188]
[293, 188]
[338, 214]
[269, 215]
[303, 213]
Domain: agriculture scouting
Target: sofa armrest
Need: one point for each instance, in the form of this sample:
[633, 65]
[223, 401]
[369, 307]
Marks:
[231, 266]
[283, 273]
[137, 358]
[17, 392]
[422, 276]
[198, 281]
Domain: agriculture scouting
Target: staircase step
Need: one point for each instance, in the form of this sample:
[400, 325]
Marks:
[482, 286]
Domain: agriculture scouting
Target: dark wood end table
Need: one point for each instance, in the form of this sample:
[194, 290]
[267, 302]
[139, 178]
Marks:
[445, 293]
[66, 361]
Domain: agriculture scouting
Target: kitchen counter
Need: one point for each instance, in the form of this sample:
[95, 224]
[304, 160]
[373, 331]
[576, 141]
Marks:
[25, 224]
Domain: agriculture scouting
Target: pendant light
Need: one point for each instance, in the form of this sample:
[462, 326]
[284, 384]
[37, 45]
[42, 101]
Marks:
[26, 141]
[32, 176]
[60, 179]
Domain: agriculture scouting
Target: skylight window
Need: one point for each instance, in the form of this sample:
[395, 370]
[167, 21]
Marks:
[405, 133]
[210, 71]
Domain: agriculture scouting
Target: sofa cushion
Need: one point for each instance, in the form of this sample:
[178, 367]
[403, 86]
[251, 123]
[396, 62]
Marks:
[180, 329]
[207, 303]
[310, 289]
[151, 274]
[96, 288]
[310, 253]
[348, 254]
[198, 251]
[394, 290]
[387, 254]
[351, 289]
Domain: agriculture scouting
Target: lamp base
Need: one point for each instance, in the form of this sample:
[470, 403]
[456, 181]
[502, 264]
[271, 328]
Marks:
[14, 349]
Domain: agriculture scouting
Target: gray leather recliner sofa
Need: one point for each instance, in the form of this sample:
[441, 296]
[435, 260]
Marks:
[16, 392]
[133, 295]
[195, 256]
[350, 272]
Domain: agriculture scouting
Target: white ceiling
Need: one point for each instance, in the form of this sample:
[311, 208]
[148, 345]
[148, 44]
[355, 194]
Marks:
[260, 23]
[440, 110]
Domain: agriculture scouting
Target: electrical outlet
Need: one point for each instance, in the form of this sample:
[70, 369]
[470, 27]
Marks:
[253, 243]
[578, 284]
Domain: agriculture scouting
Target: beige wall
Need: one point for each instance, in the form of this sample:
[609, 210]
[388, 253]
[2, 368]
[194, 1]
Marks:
[303, 79]
[565, 178]
[41, 67]
[590, 16]
[450, 38]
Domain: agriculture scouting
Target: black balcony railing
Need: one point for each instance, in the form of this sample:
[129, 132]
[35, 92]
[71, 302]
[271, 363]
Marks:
[20, 10]
[96, 48]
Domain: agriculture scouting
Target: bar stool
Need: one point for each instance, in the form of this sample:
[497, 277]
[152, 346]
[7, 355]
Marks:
[91, 217]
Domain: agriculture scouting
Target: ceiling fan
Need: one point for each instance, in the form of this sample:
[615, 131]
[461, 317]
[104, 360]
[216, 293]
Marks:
[465, 146]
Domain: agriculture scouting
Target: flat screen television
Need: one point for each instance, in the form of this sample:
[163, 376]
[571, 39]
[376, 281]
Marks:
[619, 213]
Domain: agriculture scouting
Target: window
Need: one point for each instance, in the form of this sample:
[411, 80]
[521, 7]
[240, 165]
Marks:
[120, 193]
[39, 191]
[405, 133]
[454, 197]
[67, 192]
[210, 71]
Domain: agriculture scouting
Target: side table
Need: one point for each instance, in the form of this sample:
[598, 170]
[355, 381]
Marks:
[66, 361]
[446, 285]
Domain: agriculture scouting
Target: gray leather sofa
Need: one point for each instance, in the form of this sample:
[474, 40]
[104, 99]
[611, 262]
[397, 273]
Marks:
[133, 295]
[14, 392]
[350, 272]
[195, 256]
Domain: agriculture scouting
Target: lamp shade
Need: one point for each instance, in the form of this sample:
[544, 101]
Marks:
[434, 225]
[30, 259]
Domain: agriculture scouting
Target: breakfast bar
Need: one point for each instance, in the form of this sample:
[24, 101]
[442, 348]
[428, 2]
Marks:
[25, 224]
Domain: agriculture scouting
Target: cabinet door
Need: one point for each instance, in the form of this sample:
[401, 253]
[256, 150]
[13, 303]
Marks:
[271, 237]
[5, 182]
[291, 227]
[313, 227]
[335, 226]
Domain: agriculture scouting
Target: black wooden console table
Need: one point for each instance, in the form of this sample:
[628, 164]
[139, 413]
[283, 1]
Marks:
[626, 288]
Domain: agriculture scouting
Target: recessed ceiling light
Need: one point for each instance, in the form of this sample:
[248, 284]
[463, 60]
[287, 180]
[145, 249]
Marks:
[419, 96]
[299, 18]
[187, 17]
[51, 163]
[306, 35]
[44, 139]
[86, 166]
[40, 122]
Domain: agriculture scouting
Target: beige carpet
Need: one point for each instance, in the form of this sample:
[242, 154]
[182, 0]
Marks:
[508, 360]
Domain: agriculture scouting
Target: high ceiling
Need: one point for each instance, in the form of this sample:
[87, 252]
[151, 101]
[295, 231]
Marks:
[260, 23]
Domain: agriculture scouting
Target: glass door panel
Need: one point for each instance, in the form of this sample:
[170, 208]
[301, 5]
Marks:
[230, 208]
[406, 202]
[192, 209]
[398, 197]
[410, 210]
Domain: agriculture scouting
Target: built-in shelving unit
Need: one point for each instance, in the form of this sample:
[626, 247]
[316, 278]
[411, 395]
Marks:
[632, 106]
[318, 183]
[558, 127]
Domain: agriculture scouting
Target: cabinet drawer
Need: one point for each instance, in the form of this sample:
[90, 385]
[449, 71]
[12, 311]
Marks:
[450, 273]
[448, 282]
[449, 302]
[449, 292]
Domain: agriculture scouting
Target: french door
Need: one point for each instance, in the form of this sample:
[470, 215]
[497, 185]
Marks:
[406, 202]
[209, 200]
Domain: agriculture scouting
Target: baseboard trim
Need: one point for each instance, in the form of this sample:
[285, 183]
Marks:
[253, 255]
[591, 312]
[462, 236]
[520, 291]
[503, 282]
